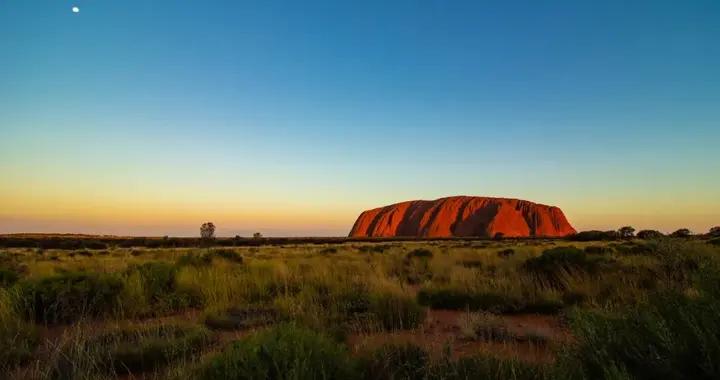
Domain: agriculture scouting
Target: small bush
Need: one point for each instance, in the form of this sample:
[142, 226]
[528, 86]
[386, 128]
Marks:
[573, 298]
[159, 284]
[329, 251]
[395, 361]
[69, 297]
[8, 277]
[129, 350]
[240, 318]
[597, 250]
[471, 263]
[594, 236]
[457, 299]
[18, 338]
[649, 234]
[285, 352]
[374, 248]
[484, 326]
[555, 262]
[419, 253]
[631, 248]
[228, 254]
[505, 253]
[194, 260]
[83, 252]
[158, 279]
[672, 337]
[394, 311]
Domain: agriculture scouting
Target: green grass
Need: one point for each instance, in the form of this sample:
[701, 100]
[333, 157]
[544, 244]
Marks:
[284, 352]
[638, 308]
[127, 350]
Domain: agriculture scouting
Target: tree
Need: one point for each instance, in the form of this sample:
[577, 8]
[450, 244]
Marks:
[207, 231]
[649, 234]
[683, 232]
[626, 232]
[715, 231]
[257, 235]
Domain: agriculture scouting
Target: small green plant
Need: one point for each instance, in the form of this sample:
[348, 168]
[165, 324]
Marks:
[8, 277]
[227, 254]
[505, 253]
[598, 250]
[396, 311]
[395, 361]
[285, 352]
[483, 326]
[240, 318]
[160, 288]
[672, 336]
[129, 350]
[69, 296]
[18, 338]
[195, 260]
[419, 253]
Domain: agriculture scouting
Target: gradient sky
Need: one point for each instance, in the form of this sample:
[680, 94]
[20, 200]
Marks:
[290, 118]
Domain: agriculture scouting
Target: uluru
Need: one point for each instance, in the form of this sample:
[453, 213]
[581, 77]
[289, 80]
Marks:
[463, 216]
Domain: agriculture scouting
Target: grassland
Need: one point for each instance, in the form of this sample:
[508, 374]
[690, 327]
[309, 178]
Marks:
[526, 309]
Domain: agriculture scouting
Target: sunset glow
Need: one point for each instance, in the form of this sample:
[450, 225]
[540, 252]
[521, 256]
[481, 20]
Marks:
[149, 118]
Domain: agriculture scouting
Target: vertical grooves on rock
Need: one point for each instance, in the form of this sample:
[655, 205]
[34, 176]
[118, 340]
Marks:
[463, 216]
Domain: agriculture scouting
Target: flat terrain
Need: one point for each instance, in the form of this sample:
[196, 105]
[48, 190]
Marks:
[390, 309]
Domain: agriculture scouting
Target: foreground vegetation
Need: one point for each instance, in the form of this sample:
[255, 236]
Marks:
[526, 309]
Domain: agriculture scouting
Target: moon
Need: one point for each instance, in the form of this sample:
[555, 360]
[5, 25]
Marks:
[76, 9]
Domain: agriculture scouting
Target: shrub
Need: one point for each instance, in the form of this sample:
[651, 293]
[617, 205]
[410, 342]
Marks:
[484, 326]
[129, 350]
[471, 263]
[18, 339]
[239, 318]
[70, 296]
[329, 251]
[553, 263]
[283, 352]
[594, 236]
[8, 277]
[374, 248]
[419, 253]
[494, 302]
[395, 361]
[681, 233]
[228, 254]
[597, 250]
[674, 336]
[161, 290]
[158, 279]
[396, 311]
[194, 260]
[630, 248]
[715, 241]
[505, 253]
[649, 234]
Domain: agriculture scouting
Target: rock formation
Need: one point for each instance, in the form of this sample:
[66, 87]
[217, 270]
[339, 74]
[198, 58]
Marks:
[463, 216]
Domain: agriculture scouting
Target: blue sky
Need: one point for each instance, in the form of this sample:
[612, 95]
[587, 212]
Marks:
[149, 117]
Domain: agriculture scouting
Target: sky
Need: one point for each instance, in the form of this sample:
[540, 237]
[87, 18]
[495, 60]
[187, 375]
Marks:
[139, 117]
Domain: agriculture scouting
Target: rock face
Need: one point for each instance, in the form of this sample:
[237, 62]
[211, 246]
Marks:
[463, 216]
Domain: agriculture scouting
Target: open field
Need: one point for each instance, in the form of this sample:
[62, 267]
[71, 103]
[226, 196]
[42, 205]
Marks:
[445, 309]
